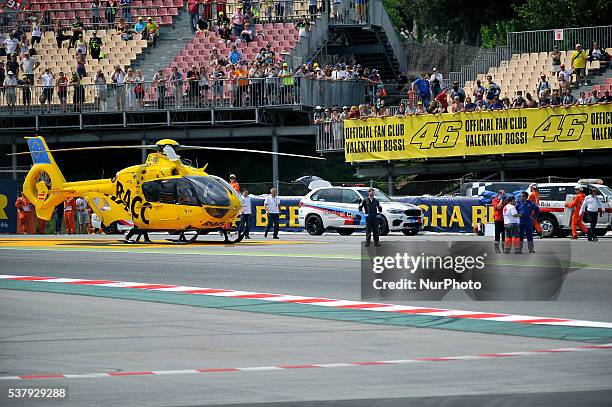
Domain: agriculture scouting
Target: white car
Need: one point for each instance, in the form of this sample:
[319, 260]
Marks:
[553, 197]
[338, 208]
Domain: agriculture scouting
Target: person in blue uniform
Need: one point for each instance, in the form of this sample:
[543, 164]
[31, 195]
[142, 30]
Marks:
[527, 210]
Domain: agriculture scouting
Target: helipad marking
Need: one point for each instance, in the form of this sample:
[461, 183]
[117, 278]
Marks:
[537, 352]
[358, 306]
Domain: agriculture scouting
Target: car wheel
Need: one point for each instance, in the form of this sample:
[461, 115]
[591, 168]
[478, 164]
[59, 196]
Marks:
[345, 232]
[410, 232]
[383, 226]
[314, 225]
[549, 226]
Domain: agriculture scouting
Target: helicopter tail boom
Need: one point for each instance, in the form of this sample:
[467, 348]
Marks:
[44, 184]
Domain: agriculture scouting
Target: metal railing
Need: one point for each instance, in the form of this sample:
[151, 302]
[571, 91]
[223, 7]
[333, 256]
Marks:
[485, 59]
[170, 95]
[565, 39]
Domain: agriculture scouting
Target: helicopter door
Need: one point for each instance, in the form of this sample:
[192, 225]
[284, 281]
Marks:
[164, 205]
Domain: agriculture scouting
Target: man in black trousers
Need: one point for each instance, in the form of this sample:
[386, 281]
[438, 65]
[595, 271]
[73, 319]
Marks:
[371, 207]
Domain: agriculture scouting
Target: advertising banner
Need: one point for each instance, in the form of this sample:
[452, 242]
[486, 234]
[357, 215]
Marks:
[478, 133]
[8, 213]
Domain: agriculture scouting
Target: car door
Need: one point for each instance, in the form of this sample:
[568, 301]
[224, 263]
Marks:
[350, 201]
[164, 212]
[330, 204]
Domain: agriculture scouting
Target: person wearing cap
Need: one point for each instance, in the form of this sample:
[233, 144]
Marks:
[576, 204]
[420, 108]
[193, 7]
[565, 73]
[234, 184]
[534, 196]
[287, 82]
[238, 21]
[527, 211]
[578, 64]
[95, 45]
[457, 106]
[222, 19]
[10, 89]
[29, 64]
[457, 91]
[26, 92]
[421, 87]
[592, 208]
[140, 27]
[435, 81]
[318, 116]
[153, 31]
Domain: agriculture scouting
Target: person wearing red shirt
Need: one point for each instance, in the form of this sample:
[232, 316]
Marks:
[576, 218]
[234, 183]
[442, 100]
[498, 204]
[24, 212]
[69, 209]
[534, 196]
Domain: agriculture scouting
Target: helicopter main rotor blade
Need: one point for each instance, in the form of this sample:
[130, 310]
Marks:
[141, 147]
[246, 150]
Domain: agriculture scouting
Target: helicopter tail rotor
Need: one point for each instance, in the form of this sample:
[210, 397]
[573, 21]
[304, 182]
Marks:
[44, 183]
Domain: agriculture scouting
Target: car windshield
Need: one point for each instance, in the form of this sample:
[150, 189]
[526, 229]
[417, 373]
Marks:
[381, 196]
[210, 191]
[604, 190]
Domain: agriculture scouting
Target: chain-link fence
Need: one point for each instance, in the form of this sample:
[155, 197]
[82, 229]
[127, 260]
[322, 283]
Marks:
[18, 173]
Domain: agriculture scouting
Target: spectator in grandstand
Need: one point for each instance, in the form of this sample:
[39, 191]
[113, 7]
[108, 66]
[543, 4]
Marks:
[10, 89]
[139, 91]
[60, 37]
[62, 90]
[203, 87]
[582, 100]
[130, 86]
[80, 65]
[506, 104]
[318, 115]
[95, 45]
[24, 46]
[555, 100]
[596, 53]
[497, 104]
[543, 89]
[469, 105]
[492, 90]
[361, 11]
[579, 58]
[543, 103]
[81, 45]
[401, 110]
[141, 27]
[225, 33]
[519, 102]
[442, 99]
[593, 99]
[565, 73]
[435, 82]
[202, 23]
[237, 21]
[421, 87]
[2, 78]
[29, 65]
[420, 108]
[159, 79]
[555, 60]
[383, 110]
[118, 78]
[457, 106]
[26, 92]
[234, 56]
[193, 7]
[176, 79]
[606, 98]
[530, 101]
[248, 34]
[11, 44]
[152, 32]
[563, 85]
[568, 98]
[48, 81]
[216, 77]
[77, 30]
[457, 91]
[434, 108]
[479, 90]
[222, 19]
[337, 11]
[13, 65]
[95, 13]
[193, 87]
[78, 93]
[353, 113]
[36, 32]
[110, 11]
[481, 104]
[101, 93]
[126, 10]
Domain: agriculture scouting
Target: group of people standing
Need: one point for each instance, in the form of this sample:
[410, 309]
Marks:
[515, 222]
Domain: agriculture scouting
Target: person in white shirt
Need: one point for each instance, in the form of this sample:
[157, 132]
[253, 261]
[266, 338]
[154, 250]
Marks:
[245, 216]
[582, 100]
[272, 204]
[567, 75]
[82, 216]
[511, 226]
[29, 64]
[11, 44]
[592, 206]
[48, 80]
[10, 90]
[436, 75]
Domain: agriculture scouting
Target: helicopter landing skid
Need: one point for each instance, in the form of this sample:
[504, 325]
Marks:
[184, 239]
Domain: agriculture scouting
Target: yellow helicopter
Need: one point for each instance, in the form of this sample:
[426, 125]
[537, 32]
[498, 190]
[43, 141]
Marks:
[165, 194]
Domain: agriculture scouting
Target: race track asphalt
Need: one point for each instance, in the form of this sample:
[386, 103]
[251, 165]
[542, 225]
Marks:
[45, 333]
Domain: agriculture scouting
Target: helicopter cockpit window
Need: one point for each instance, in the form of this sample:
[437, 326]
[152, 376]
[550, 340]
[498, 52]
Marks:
[150, 191]
[166, 191]
[186, 194]
[210, 192]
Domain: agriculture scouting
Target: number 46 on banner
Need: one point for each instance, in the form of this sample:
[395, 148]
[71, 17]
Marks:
[562, 128]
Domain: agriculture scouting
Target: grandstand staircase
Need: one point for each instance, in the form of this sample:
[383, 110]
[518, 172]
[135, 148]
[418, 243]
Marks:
[171, 41]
